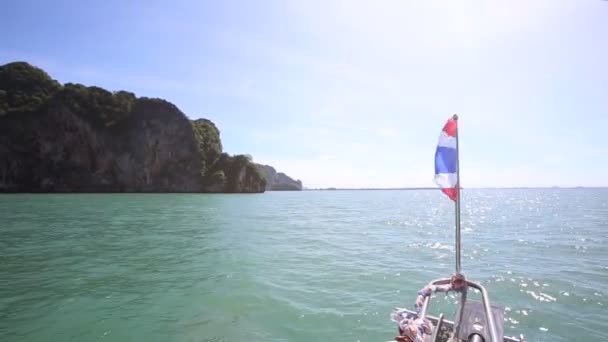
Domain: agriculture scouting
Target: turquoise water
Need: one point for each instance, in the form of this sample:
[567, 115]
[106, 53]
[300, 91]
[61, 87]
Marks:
[287, 266]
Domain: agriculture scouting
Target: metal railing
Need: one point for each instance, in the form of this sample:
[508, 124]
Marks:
[486, 306]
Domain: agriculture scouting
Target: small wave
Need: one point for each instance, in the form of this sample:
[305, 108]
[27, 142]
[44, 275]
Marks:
[542, 297]
[438, 245]
[550, 298]
[511, 320]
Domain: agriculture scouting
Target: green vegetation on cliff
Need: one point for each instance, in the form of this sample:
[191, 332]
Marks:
[219, 170]
[74, 138]
[24, 87]
[209, 144]
[97, 106]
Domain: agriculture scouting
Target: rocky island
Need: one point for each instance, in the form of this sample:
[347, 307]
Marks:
[278, 181]
[74, 138]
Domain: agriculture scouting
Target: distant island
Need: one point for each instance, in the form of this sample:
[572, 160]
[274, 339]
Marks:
[74, 138]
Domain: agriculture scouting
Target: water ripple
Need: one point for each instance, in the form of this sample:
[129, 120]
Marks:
[294, 266]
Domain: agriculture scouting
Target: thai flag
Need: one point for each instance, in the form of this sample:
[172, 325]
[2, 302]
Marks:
[446, 163]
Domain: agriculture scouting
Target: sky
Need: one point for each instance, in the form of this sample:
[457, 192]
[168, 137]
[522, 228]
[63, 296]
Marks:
[352, 93]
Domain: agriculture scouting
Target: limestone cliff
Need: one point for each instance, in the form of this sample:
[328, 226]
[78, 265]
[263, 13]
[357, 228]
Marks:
[219, 171]
[278, 181]
[72, 138]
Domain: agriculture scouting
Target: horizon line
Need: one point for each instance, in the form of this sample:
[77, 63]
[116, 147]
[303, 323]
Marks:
[463, 188]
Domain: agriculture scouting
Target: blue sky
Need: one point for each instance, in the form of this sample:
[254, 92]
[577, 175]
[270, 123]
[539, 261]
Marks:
[352, 93]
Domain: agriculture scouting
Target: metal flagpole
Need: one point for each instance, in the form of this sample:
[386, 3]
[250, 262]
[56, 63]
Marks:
[457, 202]
[457, 321]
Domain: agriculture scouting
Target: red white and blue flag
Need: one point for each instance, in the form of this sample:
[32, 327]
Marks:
[446, 159]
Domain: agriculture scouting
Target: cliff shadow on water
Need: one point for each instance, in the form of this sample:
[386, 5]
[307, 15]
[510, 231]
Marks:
[74, 138]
